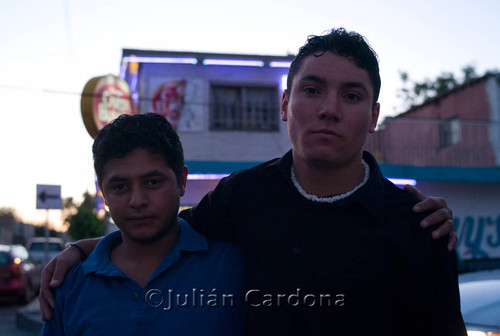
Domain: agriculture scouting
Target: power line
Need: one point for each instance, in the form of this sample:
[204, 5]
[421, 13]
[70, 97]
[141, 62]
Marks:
[28, 89]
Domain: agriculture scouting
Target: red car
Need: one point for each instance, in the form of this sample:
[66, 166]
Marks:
[19, 276]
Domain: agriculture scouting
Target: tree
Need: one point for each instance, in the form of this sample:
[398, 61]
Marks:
[415, 93]
[84, 223]
[8, 219]
[8, 212]
[40, 232]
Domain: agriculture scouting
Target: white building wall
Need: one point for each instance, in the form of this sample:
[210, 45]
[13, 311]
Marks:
[235, 146]
[200, 143]
[476, 210]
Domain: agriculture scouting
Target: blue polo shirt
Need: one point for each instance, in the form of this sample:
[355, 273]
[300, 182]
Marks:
[198, 289]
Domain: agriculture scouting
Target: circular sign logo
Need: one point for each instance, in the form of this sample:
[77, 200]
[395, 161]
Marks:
[103, 100]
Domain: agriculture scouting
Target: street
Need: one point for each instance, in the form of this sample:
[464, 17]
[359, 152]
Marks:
[8, 310]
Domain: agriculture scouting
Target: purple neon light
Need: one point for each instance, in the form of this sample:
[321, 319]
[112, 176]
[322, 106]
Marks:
[207, 61]
[234, 62]
[402, 181]
[123, 70]
[398, 181]
[171, 60]
[280, 64]
[206, 176]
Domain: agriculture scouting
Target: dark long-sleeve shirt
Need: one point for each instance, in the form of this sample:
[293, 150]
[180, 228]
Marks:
[358, 266]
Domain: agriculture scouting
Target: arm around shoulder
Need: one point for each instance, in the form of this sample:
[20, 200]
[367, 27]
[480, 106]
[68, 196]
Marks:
[440, 216]
[212, 216]
[53, 274]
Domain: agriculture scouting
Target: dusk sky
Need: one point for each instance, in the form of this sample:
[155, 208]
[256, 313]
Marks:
[51, 48]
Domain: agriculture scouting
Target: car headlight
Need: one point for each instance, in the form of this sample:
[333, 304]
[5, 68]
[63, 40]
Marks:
[471, 332]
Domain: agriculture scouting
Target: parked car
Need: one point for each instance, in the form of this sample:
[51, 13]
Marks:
[480, 302]
[36, 248]
[19, 276]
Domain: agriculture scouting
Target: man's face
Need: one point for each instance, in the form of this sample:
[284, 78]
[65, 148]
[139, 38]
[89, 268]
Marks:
[329, 111]
[142, 194]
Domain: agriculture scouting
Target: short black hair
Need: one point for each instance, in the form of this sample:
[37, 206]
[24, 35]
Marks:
[128, 132]
[344, 43]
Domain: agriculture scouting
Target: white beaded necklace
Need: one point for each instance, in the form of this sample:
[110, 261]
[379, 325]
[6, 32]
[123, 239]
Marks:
[334, 198]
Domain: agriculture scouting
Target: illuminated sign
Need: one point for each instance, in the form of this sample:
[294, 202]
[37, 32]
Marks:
[103, 100]
[171, 60]
[279, 64]
[212, 61]
[168, 101]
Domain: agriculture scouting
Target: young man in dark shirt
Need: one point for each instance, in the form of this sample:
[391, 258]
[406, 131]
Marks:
[330, 245]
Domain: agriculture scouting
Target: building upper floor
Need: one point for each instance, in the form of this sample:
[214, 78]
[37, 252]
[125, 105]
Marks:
[458, 128]
[225, 107]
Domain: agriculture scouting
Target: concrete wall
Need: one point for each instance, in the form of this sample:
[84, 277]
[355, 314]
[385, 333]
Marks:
[476, 209]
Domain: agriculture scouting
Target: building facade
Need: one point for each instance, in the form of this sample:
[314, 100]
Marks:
[460, 128]
[451, 146]
[225, 107]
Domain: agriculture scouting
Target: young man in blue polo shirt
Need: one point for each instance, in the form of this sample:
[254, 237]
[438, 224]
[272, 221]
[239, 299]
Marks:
[156, 275]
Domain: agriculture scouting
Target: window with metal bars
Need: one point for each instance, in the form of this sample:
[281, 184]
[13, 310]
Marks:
[244, 108]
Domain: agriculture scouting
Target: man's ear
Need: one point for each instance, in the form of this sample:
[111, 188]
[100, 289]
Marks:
[183, 181]
[374, 119]
[102, 191]
[284, 106]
